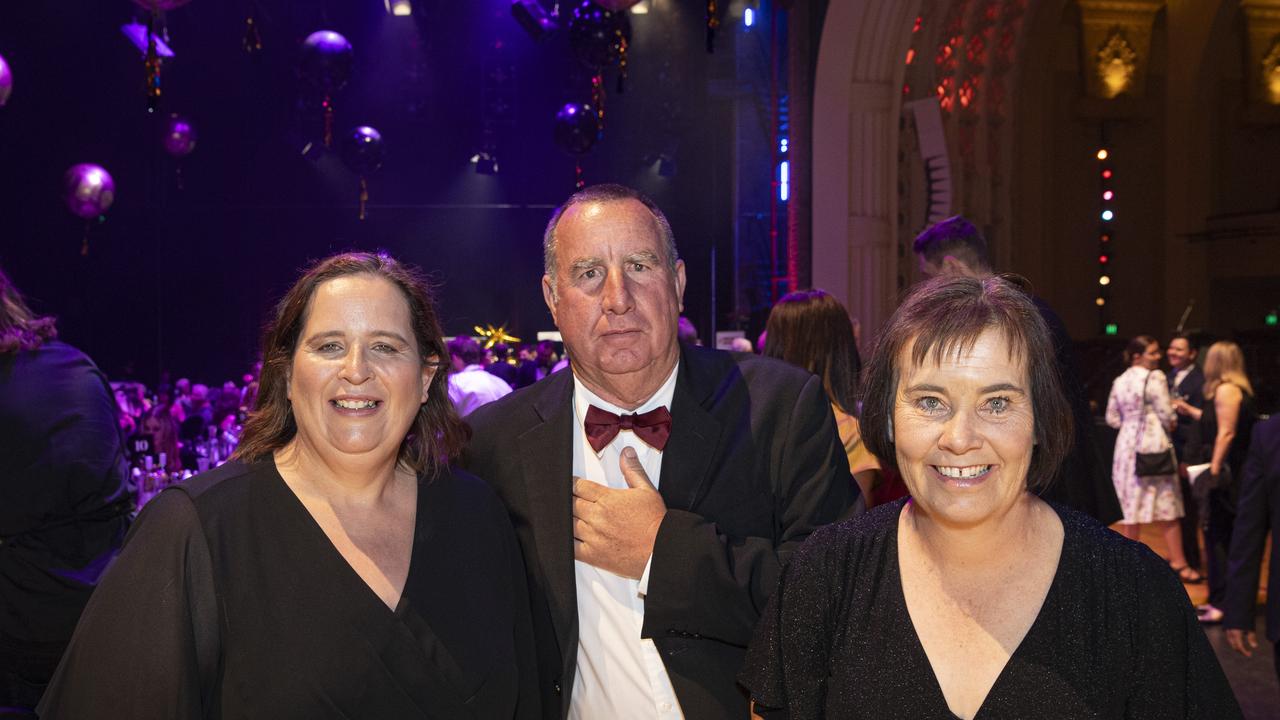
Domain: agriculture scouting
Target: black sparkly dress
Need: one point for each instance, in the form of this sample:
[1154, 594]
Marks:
[1116, 637]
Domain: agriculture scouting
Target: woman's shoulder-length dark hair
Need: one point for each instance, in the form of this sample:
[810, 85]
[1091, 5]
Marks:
[946, 316]
[20, 328]
[437, 434]
[811, 329]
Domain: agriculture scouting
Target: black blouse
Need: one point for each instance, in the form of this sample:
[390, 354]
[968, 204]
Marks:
[1115, 638]
[229, 601]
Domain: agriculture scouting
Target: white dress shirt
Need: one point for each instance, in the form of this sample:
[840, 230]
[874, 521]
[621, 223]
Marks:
[474, 386]
[620, 674]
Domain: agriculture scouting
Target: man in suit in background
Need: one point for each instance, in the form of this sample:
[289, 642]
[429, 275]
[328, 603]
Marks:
[954, 247]
[1186, 381]
[1257, 508]
[655, 489]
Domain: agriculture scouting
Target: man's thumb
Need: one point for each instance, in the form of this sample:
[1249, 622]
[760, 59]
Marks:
[632, 470]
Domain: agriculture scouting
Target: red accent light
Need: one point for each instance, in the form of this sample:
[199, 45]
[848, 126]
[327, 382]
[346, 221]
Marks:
[1102, 259]
[1106, 238]
[1106, 173]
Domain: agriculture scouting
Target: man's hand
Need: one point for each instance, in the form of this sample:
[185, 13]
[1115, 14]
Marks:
[615, 530]
[1242, 642]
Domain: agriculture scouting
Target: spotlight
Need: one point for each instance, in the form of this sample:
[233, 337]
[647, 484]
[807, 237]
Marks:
[1102, 154]
[749, 17]
[399, 8]
[534, 19]
[1108, 195]
[486, 163]
[640, 8]
[1100, 301]
[1104, 280]
[1107, 215]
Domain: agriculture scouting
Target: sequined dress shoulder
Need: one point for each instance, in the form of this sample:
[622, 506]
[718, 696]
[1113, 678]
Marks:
[1115, 638]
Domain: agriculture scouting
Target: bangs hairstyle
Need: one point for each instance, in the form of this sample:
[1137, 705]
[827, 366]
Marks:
[811, 329]
[437, 434]
[944, 318]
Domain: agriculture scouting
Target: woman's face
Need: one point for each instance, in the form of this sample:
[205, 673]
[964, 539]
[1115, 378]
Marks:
[357, 378]
[964, 431]
[1150, 358]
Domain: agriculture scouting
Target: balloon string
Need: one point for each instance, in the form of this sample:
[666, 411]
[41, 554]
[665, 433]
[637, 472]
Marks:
[713, 22]
[622, 62]
[84, 242]
[328, 122]
[364, 196]
[252, 39]
[579, 181]
[152, 66]
[597, 99]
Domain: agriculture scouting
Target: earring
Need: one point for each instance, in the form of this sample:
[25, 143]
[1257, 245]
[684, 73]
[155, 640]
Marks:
[890, 428]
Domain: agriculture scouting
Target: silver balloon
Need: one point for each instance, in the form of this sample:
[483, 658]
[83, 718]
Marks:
[88, 190]
[6, 81]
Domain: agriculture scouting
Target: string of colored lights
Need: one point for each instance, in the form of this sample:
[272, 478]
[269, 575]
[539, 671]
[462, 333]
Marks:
[1106, 235]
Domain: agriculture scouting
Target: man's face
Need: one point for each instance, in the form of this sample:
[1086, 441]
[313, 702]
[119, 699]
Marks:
[614, 298]
[1180, 353]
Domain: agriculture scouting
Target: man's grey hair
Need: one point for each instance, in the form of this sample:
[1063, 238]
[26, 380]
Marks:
[603, 193]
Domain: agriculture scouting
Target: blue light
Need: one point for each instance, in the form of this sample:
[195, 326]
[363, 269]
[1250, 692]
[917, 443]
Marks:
[784, 176]
[1107, 215]
[782, 145]
[749, 17]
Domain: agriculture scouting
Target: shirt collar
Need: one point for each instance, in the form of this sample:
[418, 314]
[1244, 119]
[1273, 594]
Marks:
[584, 398]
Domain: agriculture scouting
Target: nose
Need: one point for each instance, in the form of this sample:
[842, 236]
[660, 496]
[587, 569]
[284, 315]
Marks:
[617, 298]
[959, 435]
[355, 368]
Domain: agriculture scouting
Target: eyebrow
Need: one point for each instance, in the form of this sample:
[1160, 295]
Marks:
[338, 333]
[643, 255]
[585, 263]
[998, 387]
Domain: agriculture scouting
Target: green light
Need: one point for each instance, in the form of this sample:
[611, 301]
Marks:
[1273, 318]
[1112, 329]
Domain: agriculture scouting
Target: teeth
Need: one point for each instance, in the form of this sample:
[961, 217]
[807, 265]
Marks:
[356, 404]
[963, 472]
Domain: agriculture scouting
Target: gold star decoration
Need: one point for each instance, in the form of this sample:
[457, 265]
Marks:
[494, 335]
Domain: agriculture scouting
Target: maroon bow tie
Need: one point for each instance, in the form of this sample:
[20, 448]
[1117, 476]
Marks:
[602, 426]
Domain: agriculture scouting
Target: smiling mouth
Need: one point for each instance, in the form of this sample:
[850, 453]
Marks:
[968, 473]
[356, 404]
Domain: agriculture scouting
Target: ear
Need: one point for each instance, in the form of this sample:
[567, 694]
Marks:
[428, 372]
[680, 281]
[549, 296]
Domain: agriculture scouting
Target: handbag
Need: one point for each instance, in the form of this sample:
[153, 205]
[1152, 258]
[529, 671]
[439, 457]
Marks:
[1154, 463]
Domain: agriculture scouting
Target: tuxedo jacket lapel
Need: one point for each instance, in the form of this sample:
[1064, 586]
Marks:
[695, 437]
[546, 459]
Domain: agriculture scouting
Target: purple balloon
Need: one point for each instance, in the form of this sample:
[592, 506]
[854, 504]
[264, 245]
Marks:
[362, 150]
[577, 128]
[326, 60]
[6, 81]
[179, 136]
[88, 190]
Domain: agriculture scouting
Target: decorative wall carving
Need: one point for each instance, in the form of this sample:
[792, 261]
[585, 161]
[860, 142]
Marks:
[1117, 45]
[1262, 19]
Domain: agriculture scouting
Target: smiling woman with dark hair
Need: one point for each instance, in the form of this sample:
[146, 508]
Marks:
[338, 567]
[975, 598]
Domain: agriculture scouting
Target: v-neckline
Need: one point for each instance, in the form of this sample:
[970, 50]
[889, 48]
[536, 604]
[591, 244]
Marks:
[917, 646]
[341, 561]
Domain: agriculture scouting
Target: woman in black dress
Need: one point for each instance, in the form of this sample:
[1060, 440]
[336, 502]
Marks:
[1226, 426]
[974, 598]
[338, 568]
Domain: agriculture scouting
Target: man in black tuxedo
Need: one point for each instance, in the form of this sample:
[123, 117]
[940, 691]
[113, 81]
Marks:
[1186, 381]
[1257, 508]
[644, 598]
